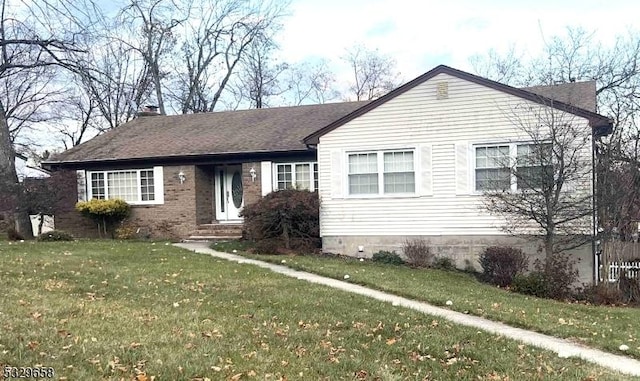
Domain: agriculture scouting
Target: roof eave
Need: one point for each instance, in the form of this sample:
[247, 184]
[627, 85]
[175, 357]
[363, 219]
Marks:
[171, 158]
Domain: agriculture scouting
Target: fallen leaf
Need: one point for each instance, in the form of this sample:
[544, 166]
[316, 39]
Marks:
[391, 341]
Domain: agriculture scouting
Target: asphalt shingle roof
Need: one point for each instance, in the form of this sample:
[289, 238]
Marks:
[245, 131]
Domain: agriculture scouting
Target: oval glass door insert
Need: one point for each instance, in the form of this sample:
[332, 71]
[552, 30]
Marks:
[236, 189]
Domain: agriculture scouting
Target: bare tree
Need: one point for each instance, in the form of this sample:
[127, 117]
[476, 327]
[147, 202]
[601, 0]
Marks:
[577, 56]
[374, 74]
[154, 26]
[312, 82]
[25, 48]
[259, 77]
[215, 44]
[542, 185]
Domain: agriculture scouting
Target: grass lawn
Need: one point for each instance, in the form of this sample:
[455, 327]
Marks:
[110, 310]
[602, 327]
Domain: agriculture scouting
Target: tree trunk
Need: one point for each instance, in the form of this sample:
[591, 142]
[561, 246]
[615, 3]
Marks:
[11, 195]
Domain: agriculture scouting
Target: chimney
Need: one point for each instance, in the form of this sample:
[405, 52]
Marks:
[148, 110]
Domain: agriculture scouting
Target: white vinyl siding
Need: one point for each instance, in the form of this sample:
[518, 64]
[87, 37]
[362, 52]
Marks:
[296, 176]
[135, 186]
[444, 133]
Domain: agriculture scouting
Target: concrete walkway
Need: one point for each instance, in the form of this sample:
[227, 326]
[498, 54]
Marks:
[563, 348]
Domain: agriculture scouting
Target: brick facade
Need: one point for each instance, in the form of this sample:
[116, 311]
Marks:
[252, 188]
[185, 206]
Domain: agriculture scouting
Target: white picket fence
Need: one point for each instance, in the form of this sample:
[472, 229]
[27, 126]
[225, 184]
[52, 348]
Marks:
[632, 269]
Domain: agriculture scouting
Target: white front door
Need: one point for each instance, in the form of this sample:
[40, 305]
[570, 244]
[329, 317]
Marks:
[229, 193]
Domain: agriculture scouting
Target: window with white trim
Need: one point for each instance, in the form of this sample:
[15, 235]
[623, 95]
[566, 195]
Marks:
[494, 166]
[136, 186]
[381, 172]
[296, 176]
[534, 166]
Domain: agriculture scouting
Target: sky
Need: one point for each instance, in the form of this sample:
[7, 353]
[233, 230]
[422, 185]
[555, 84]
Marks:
[420, 35]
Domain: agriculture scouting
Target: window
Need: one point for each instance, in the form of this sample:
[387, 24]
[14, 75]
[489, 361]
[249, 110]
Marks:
[398, 172]
[385, 172]
[132, 186]
[534, 167]
[297, 176]
[363, 173]
[494, 166]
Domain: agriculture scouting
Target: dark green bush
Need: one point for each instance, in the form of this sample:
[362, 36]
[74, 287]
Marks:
[534, 283]
[443, 263]
[418, 252]
[388, 257]
[55, 235]
[500, 264]
[289, 219]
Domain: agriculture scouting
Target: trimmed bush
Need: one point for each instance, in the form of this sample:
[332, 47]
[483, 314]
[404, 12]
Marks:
[288, 218]
[107, 213]
[500, 264]
[534, 283]
[418, 252]
[388, 257]
[55, 235]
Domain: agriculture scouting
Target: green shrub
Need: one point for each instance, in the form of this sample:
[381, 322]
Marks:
[107, 213]
[388, 257]
[500, 264]
[443, 263]
[288, 218]
[418, 252]
[534, 283]
[55, 235]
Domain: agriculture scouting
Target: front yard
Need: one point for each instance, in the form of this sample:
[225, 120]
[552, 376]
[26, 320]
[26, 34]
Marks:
[601, 327]
[111, 310]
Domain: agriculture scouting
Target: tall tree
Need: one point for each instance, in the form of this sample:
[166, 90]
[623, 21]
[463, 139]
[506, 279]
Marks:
[153, 32]
[312, 82]
[216, 42]
[259, 78]
[47, 34]
[373, 73]
[542, 186]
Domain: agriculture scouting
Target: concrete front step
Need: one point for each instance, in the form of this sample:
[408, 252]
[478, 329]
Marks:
[212, 237]
[212, 232]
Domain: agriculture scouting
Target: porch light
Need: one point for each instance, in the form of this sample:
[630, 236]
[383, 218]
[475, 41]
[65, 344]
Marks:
[182, 177]
[252, 172]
